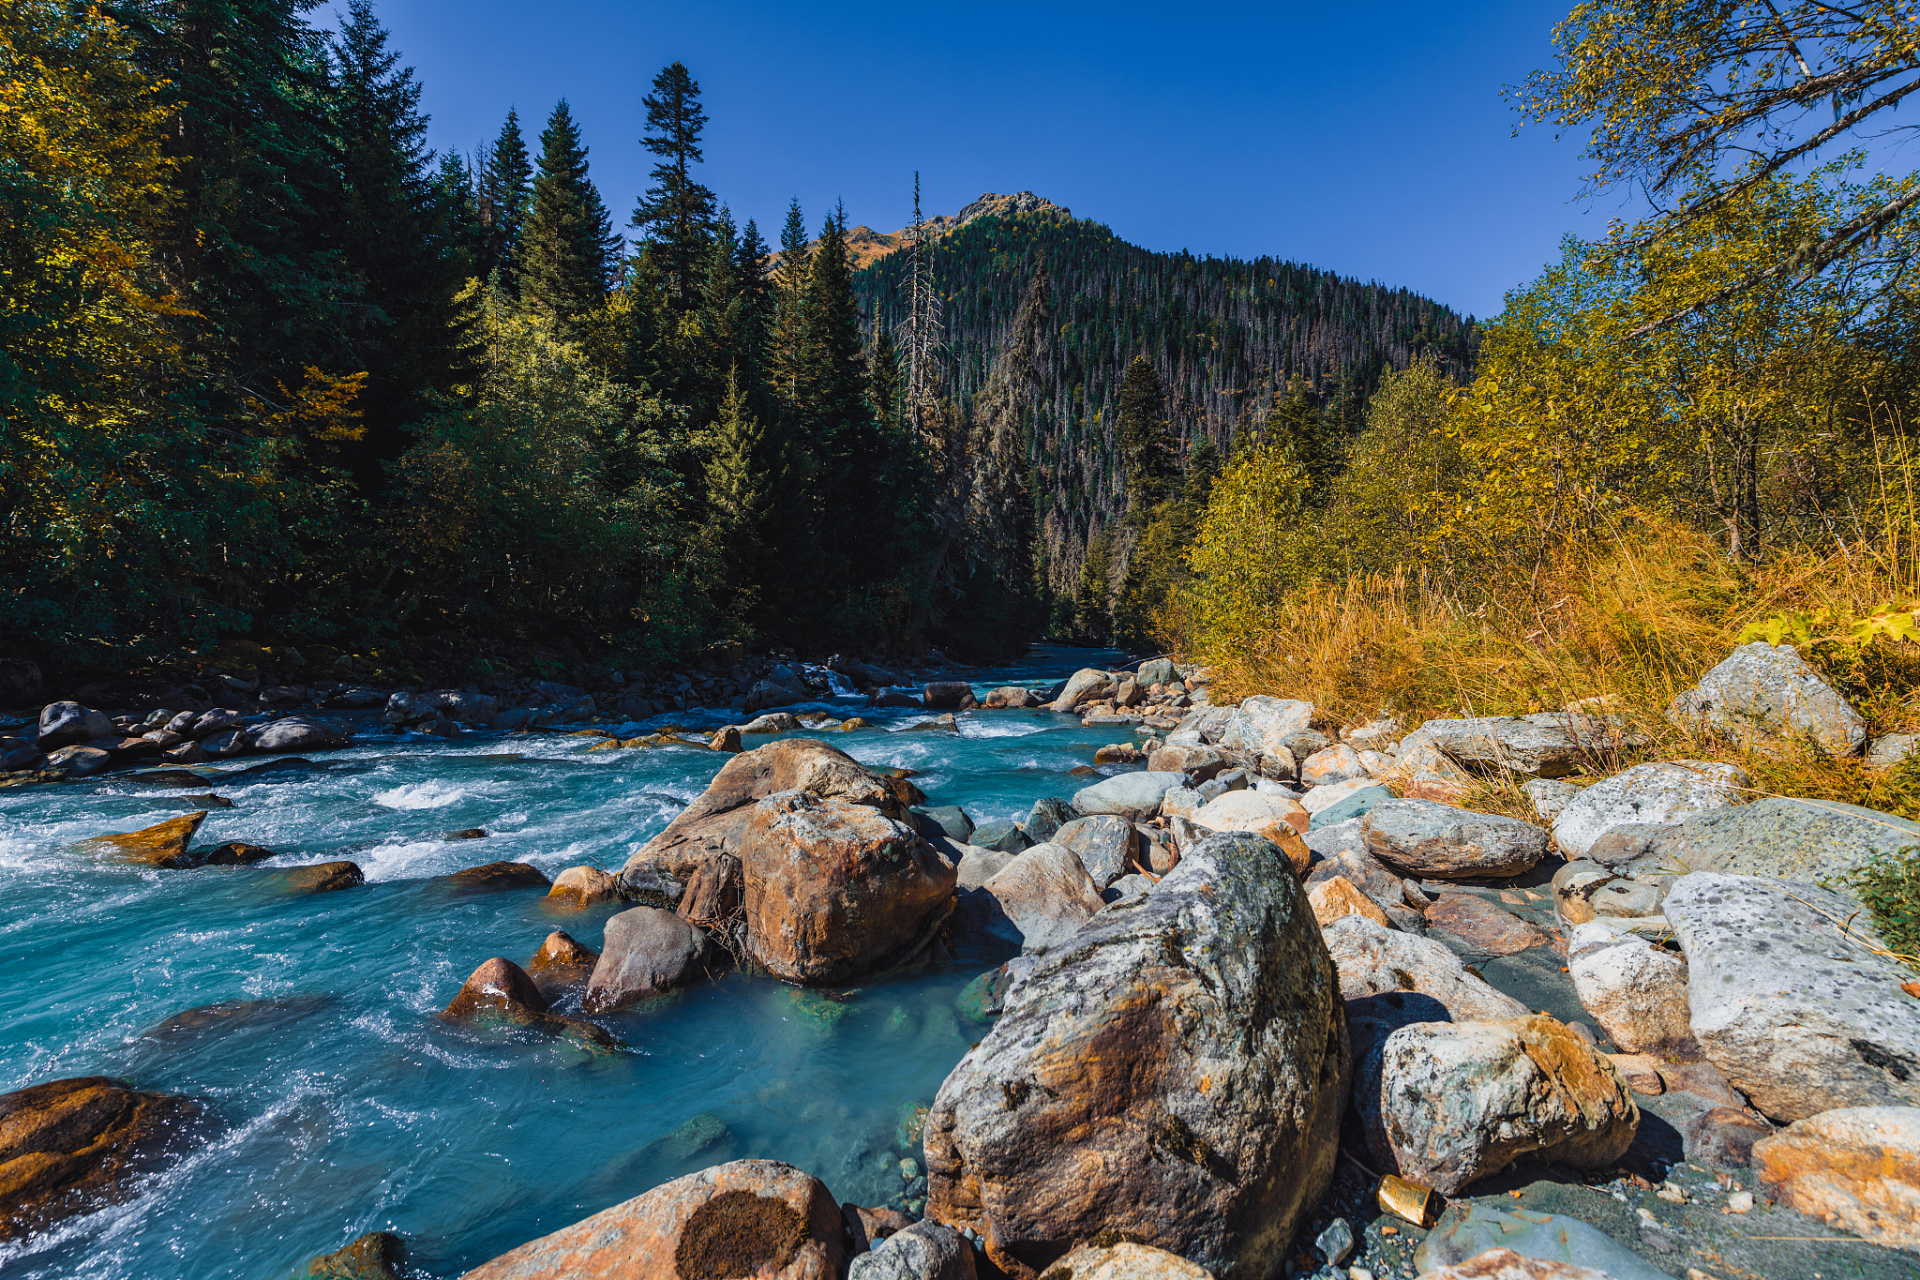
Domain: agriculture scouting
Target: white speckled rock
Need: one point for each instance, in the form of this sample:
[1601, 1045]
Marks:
[1262, 725]
[1123, 1261]
[1133, 796]
[1390, 979]
[1427, 838]
[1646, 794]
[1635, 990]
[923, 1251]
[1797, 1015]
[1549, 796]
[1765, 691]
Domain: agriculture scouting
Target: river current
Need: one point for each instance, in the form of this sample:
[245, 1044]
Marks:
[339, 1104]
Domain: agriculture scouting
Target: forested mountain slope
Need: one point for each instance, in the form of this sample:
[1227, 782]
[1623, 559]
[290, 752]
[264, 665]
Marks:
[1229, 339]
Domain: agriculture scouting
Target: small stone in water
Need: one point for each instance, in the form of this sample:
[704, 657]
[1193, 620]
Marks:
[1336, 1242]
[909, 1170]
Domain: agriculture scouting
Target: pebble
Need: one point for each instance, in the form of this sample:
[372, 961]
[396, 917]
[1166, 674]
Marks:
[1740, 1202]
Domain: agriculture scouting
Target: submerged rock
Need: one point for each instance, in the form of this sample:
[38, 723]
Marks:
[501, 993]
[498, 875]
[69, 1146]
[756, 1218]
[324, 877]
[1176, 1075]
[646, 952]
[378, 1255]
[560, 963]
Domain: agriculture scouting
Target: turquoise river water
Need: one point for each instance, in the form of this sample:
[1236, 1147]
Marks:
[340, 1104]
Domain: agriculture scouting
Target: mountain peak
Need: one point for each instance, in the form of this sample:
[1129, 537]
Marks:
[865, 245]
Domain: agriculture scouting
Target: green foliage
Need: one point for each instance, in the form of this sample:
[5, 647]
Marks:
[1889, 888]
[505, 190]
[676, 213]
[568, 245]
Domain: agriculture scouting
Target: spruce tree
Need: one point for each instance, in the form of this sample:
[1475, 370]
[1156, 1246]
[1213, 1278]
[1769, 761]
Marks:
[506, 189]
[790, 304]
[676, 213]
[458, 215]
[744, 476]
[568, 252]
[1316, 439]
[1146, 450]
[756, 310]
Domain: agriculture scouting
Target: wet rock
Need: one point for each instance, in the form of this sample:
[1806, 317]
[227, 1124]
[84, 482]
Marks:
[728, 740]
[234, 853]
[560, 963]
[645, 952]
[1768, 694]
[230, 1015]
[63, 724]
[1175, 1076]
[1118, 753]
[1482, 925]
[297, 733]
[1084, 685]
[1636, 991]
[1429, 839]
[1799, 1015]
[1470, 1227]
[922, 1251]
[68, 1146]
[497, 875]
[699, 1134]
[378, 1255]
[1034, 904]
[756, 1218]
[771, 722]
[1547, 745]
[1106, 846]
[1647, 793]
[324, 877]
[1857, 1168]
[951, 821]
[16, 753]
[1817, 840]
[1133, 796]
[1274, 817]
[225, 743]
[1011, 696]
[584, 887]
[714, 822]
[1724, 1136]
[1390, 980]
[1335, 896]
[1124, 1260]
[866, 1228]
[1448, 1104]
[836, 890]
[500, 993]
[78, 762]
[162, 845]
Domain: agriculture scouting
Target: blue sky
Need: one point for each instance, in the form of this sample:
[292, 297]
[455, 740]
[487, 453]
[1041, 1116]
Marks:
[1368, 139]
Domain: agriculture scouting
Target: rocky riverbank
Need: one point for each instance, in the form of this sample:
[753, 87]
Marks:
[1273, 1004]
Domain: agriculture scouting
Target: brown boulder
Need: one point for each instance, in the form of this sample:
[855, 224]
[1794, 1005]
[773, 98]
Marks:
[1855, 1167]
[1011, 696]
[232, 854]
[560, 963]
[378, 1255]
[646, 952]
[712, 897]
[714, 822]
[498, 875]
[162, 845]
[750, 1218]
[324, 877]
[67, 1146]
[501, 993]
[1483, 926]
[583, 887]
[835, 889]
[727, 740]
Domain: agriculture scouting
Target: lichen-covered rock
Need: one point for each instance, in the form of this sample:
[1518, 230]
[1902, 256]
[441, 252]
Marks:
[1260, 726]
[1175, 1076]
[1655, 794]
[1801, 1015]
[69, 1146]
[1337, 763]
[1635, 990]
[835, 889]
[1446, 1104]
[1544, 745]
[1390, 980]
[1105, 844]
[1817, 840]
[1427, 838]
[1764, 692]
[1035, 903]
[757, 1218]
[1857, 1168]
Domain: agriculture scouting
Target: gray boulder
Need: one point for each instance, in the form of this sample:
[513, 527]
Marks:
[1549, 796]
[1175, 1078]
[924, 1251]
[1260, 726]
[1104, 844]
[77, 761]
[1545, 745]
[1766, 692]
[1084, 685]
[1006, 837]
[1816, 840]
[62, 724]
[1472, 1227]
[975, 864]
[1157, 671]
[1034, 903]
[1133, 796]
[1356, 804]
[1635, 990]
[1337, 763]
[1792, 996]
[297, 733]
[1048, 816]
[1888, 751]
[1390, 979]
[1429, 839]
[1646, 794]
[949, 819]
[17, 753]
[647, 952]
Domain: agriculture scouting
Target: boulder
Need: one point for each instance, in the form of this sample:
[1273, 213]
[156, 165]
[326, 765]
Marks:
[1549, 796]
[297, 733]
[1048, 816]
[1032, 905]
[1635, 990]
[1801, 1014]
[1482, 926]
[377, 1255]
[1156, 671]
[1335, 896]
[1253, 811]
[1723, 1136]
[584, 887]
[1768, 694]
[1181, 802]
[713, 823]
[922, 1251]
[225, 743]
[1817, 840]
[951, 821]
[1197, 762]
[771, 722]
[1260, 726]
[1356, 803]
[835, 889]
[325, 877]
[1546, 745]
[62, 724]
[500, 993]
[208, 724]
[948, 695]
[976, 865]
[1425, 838]
[68, 1146]
[1105, 845]
[727, 740]
[1337, 763]
[494, 876]
[1011, 696]
[17, 753]
[1390, 979]
[1084, 685]
[645, 952]
[559, 964]
[1118, 753]
[1888, 751]
[234, 853]
[1656, 794]
[1856, 1168]
[757, 1218]
[162, 845]
[776, 693]
[1585, 890]
[1123, 1260]
[1002, 837]
[1470, 1228]
[1446, 1104]
[79, 761]
[1175, 1078]
[1133, 796]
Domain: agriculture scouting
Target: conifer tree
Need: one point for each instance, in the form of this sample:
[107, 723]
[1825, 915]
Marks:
[790, 303]
[756, 310]
[676, 213]
[457, 215]
[1317, 444]
[1092, 605]
[1146, 450]
[506, 189]
[743, 478]
[569, 252]
[884, 387]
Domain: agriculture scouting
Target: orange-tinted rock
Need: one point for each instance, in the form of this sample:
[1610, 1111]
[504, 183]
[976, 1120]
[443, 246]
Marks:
[68, 1146]
[1336, 897]
[378, 1255]
[583, 887]
[712, 898]
[1857, 1168]
[498, 875]
[325, 877]
[494, 989]
[1483, 926]
[835, 889]
[1725, 1136]
[728, 740]
[162, 845]
[560, 963]
[750, 1218]
[233, 854]
[1118, 753]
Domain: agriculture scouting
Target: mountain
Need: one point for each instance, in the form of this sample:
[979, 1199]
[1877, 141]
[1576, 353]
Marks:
[1227, 337]
[866, 246]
